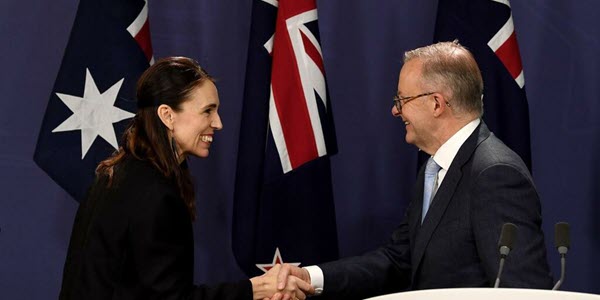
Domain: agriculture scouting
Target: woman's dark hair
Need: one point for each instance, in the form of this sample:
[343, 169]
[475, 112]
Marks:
[169, 81]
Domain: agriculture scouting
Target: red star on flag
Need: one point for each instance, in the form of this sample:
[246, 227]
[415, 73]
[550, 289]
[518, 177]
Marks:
[276, 260]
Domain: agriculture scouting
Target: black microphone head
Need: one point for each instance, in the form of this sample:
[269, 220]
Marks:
[561, 235]
[507, 235]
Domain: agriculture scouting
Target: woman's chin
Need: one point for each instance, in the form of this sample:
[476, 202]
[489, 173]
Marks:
[202, 153]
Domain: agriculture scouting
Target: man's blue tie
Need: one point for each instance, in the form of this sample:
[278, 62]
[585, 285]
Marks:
[431, 171]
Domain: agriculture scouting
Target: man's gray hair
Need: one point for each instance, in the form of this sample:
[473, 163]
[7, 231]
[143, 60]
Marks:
[449, 68]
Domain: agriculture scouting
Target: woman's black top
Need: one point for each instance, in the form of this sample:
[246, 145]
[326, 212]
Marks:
[133, 240]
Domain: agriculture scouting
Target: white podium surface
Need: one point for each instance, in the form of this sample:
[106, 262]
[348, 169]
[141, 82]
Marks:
[487, 294]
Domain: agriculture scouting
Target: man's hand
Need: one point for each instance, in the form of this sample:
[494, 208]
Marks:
[299, 277]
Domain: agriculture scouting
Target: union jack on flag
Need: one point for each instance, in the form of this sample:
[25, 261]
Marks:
[504, 44]
[297, 85]
[486, 27]
[286, 138]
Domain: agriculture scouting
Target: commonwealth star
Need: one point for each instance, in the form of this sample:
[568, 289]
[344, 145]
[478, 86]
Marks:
[93, 114]
[276, 260]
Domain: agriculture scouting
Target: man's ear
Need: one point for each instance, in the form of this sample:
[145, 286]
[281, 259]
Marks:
[165, 114]
[440, 104]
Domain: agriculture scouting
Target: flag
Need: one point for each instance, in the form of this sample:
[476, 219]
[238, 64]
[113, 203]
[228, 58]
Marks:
[93, 96]
[486, 28]
[283, 199]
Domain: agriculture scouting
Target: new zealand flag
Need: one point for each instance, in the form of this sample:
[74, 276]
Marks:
[486, 28]
[93, 96]
[283, 203]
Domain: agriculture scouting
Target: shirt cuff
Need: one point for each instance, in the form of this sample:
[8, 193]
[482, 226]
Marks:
[317, 279]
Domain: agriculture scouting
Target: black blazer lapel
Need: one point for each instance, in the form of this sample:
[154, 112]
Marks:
[416, 205]
[442, 197]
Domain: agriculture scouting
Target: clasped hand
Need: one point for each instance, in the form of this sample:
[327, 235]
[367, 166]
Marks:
[282, 282]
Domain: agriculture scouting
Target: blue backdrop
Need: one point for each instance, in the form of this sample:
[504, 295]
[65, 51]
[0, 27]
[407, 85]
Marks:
[363, 43]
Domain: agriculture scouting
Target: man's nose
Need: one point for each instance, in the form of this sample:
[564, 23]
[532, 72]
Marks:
[395, 111]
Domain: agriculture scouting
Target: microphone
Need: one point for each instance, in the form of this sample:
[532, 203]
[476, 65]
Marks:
[562, 243]
[505, 244]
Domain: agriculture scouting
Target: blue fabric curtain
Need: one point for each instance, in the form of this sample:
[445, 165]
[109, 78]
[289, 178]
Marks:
[374, 169]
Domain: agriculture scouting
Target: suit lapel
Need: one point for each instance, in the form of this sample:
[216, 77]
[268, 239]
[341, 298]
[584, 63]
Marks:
[442, 197]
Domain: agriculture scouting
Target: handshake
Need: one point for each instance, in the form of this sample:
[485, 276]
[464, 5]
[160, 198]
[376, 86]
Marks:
[282, 282]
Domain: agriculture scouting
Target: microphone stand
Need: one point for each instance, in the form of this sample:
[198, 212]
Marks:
[503, 253]
[563, 262]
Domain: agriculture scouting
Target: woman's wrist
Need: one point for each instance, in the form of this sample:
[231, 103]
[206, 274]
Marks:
[261, 288]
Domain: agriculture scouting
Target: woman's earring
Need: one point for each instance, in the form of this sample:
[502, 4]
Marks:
[174, 147]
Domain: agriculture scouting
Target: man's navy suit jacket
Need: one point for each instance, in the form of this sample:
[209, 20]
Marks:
[486, 185]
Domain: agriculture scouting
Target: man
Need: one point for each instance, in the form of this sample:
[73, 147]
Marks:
[469, 188]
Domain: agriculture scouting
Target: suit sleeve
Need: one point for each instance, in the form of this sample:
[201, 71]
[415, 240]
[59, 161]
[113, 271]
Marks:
[381, 271]
[505, 193]
[162, 253]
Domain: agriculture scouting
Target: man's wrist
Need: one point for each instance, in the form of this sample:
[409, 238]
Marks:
[316, 278]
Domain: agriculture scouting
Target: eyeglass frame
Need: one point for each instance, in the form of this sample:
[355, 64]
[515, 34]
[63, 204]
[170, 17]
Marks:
[398, 100]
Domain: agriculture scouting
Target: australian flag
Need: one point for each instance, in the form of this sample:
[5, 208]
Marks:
[283, 201]
[486, 28]
[93, 96]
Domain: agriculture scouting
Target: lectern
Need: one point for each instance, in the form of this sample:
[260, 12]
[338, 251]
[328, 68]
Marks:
[487, 294]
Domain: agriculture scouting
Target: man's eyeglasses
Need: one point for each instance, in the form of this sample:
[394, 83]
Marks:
[401, 101]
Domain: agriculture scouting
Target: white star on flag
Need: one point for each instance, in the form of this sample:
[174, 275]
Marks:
[276, 260]
[93, 114]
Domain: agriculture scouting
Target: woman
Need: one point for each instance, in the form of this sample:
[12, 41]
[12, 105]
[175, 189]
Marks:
[132, 237]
